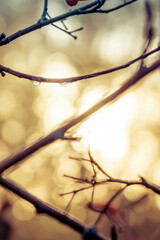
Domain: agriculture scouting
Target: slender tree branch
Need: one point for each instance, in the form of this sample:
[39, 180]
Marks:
[74, 79]
[151, 186]
[117, 7]
[44, 208]
[91, 7]
[107, 205]
[105, 209]
[111, 9]
[78, 180]
[87, 233]
[59, 132]
[142, 181]
[65, 29]
[44, 13]
[67, 209]
[93, 162]
[76, 191]
[149, 29]
[46, 22]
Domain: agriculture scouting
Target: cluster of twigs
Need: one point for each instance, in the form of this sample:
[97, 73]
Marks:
[93, 181]
[60, 132]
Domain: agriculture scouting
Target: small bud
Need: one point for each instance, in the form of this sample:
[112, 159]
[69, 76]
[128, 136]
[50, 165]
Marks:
[2, 36]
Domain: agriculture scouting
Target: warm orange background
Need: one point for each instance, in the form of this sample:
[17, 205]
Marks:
[123, 137]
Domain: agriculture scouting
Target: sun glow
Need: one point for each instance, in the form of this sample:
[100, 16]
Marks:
[106, 132]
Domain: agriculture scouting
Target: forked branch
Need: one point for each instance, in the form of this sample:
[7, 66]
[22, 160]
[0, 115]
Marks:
[92, 7]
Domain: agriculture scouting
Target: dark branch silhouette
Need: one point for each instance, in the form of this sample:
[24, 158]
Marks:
[60, 133]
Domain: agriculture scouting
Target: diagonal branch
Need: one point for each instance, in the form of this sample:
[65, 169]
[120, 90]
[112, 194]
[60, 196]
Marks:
[44, 208]
[98, 10]
[46, 22]
[117, 7]
[59, 132]
[93, 7]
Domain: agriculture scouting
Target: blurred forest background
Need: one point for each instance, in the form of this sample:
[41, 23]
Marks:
[123, 137]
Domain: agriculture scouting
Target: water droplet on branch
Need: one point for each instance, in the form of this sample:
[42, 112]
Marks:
[65, 84]
[36, 83]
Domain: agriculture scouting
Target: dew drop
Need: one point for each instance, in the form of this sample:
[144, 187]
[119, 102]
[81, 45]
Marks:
[65, 84]
[36, 83]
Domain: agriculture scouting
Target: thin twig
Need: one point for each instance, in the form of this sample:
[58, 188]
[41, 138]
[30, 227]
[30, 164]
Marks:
[98, 166]
[93, 193]
[106, 207]
[115, 8]
[75, 79]
[77, 179]
[75, 191]
[38, 25]
[142, 181]
[44, 13]
[65, 30]
[92, 164]
[67, 209]
[149, 29]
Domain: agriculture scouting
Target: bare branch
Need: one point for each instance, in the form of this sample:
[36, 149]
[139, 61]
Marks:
[67, 209]
[151, 186]
[111, 9]
[44, 208]
[106, 207]
[75, 79]
[59, 132]
[142, 181]
[76, 191]
[149, 29]
[44, 13]
[98, 166]
[41, 206]
[46, 22]
[78, 180]
[92, 164]
[65, 29]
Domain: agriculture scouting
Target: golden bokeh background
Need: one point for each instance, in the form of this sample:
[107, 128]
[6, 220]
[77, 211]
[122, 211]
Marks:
[123, 137]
